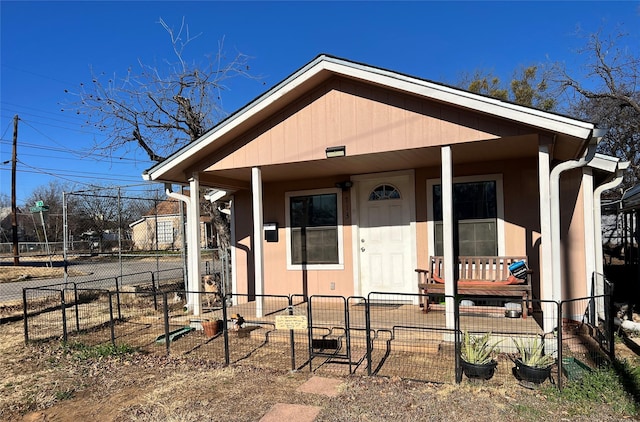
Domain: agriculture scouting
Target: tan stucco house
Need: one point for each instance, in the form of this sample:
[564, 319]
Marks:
[344, 178]
[160, 228]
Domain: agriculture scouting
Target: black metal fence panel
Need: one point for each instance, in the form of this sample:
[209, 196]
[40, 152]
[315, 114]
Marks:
[407, 342]
[44, 316]
[383, 334]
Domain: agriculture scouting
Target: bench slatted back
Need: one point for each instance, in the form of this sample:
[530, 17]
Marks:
[480, 268]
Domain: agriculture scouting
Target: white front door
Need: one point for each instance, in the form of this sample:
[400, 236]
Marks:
[386, 239]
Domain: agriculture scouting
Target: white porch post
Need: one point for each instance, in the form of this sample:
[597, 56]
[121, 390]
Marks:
[589, 226]
[193, 243]
[258, 253]
[546, 253]
[234, 277]
[447, 233]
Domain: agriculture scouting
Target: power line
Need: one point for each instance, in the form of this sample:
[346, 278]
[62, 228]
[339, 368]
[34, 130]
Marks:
[60, 118]
[51, 139]
[60, 173]
[35, 74]
[87, 153]
[114, 161]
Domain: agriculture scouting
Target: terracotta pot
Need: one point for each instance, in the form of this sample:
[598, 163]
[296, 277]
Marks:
[478, 371]
[211, 328]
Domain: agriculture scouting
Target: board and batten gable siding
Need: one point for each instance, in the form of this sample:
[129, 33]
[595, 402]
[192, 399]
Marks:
[364, 118]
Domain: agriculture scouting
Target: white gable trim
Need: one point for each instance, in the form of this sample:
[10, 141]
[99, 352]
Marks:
[486, 105]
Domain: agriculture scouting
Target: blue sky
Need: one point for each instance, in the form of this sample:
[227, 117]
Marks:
[47, 47]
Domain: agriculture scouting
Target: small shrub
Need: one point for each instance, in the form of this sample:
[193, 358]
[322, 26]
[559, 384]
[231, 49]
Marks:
[532, 353]
[477, 349]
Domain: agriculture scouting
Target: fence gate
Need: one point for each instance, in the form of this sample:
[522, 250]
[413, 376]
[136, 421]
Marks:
[330, 335]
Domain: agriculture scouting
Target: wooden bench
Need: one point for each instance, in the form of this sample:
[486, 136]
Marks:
[478, 276]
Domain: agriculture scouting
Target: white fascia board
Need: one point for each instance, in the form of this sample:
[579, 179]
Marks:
[137, 222]
[215, 195]
[537, 118]
[604, 162]
[608, 163]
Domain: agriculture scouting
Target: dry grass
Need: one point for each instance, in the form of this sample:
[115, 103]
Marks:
[47, 382]
[11, 273]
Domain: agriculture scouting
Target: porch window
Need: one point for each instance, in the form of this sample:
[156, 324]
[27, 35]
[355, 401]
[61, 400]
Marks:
[313, 224]
[475, 211]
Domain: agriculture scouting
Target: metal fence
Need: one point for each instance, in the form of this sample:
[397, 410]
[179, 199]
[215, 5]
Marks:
[382, 334]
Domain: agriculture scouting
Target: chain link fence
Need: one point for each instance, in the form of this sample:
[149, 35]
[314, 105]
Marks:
[106, 239]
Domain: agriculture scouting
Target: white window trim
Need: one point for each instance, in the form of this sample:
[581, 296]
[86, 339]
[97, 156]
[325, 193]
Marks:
[340, 264]
[497, 178]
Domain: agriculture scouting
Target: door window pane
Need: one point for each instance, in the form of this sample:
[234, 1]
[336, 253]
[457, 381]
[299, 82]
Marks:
[383, 192]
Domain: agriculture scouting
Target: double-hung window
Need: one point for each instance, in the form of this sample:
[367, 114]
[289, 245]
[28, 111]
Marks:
[314, 237]
[477, 211]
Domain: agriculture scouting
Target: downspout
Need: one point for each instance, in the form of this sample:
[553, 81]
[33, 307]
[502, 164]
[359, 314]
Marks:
[193, 244]
[597, 211]
[554, 194]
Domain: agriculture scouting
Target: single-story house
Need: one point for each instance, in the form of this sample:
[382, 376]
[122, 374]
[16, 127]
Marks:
[160, 228]
[344, 178]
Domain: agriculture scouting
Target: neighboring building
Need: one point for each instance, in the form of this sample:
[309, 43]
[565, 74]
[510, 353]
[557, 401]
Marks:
[344, 178]
[161, 225]
[6, 229]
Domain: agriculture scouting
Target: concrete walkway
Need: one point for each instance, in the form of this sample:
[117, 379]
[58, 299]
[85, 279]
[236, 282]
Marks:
[300, 413]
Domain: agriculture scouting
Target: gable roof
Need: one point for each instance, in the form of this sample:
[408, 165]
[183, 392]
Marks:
[324, 67]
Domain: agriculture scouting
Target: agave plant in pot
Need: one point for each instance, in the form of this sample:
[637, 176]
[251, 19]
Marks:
[532, 365]
[477, 356]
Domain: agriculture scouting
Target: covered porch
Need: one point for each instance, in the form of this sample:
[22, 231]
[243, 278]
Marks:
[375, 145]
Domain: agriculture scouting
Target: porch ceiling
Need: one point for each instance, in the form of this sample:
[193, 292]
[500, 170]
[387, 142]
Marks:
[481, 151]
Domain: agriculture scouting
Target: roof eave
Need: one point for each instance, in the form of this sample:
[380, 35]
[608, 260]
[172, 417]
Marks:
[543, 120]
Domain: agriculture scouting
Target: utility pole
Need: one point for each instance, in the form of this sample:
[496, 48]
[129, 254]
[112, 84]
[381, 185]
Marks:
[14, 208]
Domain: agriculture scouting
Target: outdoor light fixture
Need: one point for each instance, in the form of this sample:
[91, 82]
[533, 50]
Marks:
[336, 151]
[344, 185]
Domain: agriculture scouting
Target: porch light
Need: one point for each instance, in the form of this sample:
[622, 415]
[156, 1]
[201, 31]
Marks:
[336, 151]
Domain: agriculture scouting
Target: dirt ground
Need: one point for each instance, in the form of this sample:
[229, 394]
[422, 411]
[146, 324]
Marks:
[46, 382]
[43, 382]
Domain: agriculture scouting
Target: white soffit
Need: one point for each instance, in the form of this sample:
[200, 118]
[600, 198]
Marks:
[537, 118]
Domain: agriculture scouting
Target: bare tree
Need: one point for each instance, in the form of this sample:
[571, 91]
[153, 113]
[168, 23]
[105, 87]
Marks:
[51, 195]
[609, 96]
[159, 110]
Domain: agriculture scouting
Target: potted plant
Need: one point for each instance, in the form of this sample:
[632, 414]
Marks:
[212, 328]
[532, 365]
[476, 353]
